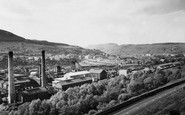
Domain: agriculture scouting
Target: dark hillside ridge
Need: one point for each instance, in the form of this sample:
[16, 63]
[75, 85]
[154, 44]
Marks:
[6, 36]
[18, 44]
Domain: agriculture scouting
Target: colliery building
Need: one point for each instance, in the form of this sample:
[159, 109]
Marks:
[73, 79]
[21, 82]
[23, 88]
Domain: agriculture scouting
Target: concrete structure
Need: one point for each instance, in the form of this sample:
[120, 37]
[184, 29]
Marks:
[43, 74]
[11, 87]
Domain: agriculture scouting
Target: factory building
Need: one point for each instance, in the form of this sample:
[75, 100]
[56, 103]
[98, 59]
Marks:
[21, 87]
[72, 79]
[35, 93]
[20, 82]
[79, 78]
[98, 74]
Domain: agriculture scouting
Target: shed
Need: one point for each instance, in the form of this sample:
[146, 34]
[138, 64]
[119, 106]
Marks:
[98, 73]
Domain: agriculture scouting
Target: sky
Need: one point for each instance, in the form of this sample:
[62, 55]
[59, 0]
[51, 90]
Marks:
[91, 22]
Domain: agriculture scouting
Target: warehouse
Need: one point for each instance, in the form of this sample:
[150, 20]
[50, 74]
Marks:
[98, 74]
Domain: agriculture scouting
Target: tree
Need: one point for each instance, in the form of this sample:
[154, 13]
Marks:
[134, 87]
[92, 112]
[111, 104]
[160, 78]
[64, 110]
[123, 97]
[34, 106]
[45, 106]
[148, 82]
[100, 88]
[92, 89]
[73, 96]
[53, 111]
[83, 91]
[22, 108]
[61, 103]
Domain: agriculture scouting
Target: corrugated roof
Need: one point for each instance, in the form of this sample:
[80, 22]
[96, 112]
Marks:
[76, 73]
[63, 79]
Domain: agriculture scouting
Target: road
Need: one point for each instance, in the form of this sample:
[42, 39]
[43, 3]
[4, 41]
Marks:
[136, 108]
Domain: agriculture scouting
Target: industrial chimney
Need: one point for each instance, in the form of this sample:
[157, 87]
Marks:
[43, 74]
[11, 87]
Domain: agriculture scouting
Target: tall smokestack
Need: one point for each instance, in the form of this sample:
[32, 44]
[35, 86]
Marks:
[43, 75]
[11, 87]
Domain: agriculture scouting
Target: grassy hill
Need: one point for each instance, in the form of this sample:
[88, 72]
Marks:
[130, 49]
[12, 42]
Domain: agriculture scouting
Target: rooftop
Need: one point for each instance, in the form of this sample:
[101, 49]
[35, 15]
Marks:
[76, 73]
[75, 81]
[95, 70]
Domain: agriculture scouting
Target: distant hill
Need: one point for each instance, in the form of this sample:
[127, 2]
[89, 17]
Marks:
[18, 44]
[130, 49]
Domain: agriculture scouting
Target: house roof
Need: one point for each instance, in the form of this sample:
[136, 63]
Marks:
[96, 70]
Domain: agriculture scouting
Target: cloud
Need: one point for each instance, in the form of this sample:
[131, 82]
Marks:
[16, 7]
[85, 22]
[165, 6]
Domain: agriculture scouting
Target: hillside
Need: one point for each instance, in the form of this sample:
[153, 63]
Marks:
[130, 49]
[12, 42]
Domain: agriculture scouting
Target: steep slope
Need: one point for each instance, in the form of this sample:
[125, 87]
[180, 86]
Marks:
[6, 36]
[12, 42]
[157, 48]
